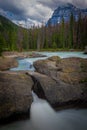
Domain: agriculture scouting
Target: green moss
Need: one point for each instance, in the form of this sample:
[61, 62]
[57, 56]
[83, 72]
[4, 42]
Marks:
[83, 80]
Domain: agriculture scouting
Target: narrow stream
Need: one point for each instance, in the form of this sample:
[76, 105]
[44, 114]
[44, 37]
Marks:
[43, 117]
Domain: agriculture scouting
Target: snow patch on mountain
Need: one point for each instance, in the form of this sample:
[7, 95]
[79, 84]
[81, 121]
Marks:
[24, 22]
[65, 11]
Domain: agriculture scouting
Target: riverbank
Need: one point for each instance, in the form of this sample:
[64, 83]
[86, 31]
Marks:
[60, 50]
[32, 52]
[22, 55]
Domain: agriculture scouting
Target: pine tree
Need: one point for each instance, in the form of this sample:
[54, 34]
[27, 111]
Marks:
[2, 43]
[54, 45]
[62, 36]
[71, 26]
[13, 40]
[20, 39]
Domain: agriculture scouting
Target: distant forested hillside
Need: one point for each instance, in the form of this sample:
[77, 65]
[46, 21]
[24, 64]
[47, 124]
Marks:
[66, 35]
[8, 34]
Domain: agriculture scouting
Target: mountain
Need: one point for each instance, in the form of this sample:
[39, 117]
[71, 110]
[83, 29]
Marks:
[65, 11]
[18, 20]
[6, 24]
[8, 34]
[14, 18]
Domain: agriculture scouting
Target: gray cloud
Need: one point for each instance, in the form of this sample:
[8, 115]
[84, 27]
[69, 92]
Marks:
[37, 10]
[55, 3]
[9, 5]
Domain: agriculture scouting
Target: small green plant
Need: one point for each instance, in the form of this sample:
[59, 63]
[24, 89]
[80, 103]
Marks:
[54, 46]
[83, 81]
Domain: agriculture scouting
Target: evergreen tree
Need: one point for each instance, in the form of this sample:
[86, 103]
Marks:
[62, 35]
[71, 26]
[2, 43]
[79, 31]
[54, 45]
[26, 40]
[12, 40]
[20, 39]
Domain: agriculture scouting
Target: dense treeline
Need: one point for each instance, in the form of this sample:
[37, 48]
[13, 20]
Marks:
[71, 35]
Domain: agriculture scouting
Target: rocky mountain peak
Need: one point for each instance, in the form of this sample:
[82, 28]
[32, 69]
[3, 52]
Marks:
[65, 11]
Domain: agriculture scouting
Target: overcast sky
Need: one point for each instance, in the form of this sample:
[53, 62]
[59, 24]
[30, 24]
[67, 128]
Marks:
[38, 10]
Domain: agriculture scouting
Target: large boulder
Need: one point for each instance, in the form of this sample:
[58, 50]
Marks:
[15, 94]
[47, 66]
[7, 63]
[73, 70]
[63, 81]
[59, 94]
[68, 70]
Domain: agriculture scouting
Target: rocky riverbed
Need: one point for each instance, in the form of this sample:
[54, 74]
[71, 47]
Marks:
[62, 82]
[22, 55]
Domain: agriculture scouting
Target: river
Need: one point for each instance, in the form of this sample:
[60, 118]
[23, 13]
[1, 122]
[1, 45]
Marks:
[27, 63]
[42, 116]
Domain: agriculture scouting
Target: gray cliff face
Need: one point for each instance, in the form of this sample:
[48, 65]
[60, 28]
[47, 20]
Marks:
[65, 12]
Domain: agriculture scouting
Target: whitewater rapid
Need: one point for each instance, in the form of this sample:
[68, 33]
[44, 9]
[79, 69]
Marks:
[43, 117]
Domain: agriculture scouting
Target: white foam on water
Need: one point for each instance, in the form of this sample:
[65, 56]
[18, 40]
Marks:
[43, 117]
[27, 63]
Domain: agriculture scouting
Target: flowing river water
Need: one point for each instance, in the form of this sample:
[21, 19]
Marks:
[27, 63]
[42, 116]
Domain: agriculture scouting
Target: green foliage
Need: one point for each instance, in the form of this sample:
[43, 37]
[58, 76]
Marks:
[72, 34]
[62, 34]
[2, 43]
[84, 81]
[45, 43]
[71, 25]
[54, 45]
[8, 36]
[0, 49]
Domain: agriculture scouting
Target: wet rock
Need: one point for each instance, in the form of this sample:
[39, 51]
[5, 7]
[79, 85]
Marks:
[47, 66]
[63, 81]
[68, 70]
[7, 63]
[74, 70]
[15, 94]
[22, 55]
[36, 55]
[57, 93]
